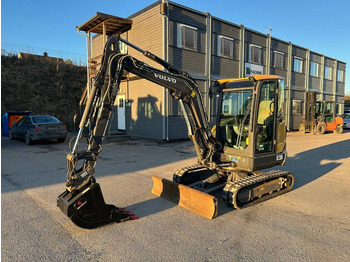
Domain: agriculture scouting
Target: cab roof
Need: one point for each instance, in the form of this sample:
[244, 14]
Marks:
[256, 77]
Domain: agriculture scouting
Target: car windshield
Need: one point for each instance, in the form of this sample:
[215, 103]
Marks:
[44, 119]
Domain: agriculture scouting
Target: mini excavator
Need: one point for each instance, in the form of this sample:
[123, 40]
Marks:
[249, 136]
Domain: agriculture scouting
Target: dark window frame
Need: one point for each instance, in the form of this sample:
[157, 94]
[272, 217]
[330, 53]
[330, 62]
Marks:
[297, 109]
[328, 76]
[275, 60]
[222, 40]
[253, 56]
[317, 69]
[184, 30]
[342, 72]
[295, 67]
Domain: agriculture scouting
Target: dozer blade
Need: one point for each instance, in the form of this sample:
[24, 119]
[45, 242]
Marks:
[194, 200]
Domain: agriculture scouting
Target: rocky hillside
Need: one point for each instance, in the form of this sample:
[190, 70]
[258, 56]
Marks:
[42, 86]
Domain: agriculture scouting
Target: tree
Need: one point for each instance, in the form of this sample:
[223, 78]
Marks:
[69, 62]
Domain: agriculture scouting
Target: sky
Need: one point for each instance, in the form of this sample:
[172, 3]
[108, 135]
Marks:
[321, 25]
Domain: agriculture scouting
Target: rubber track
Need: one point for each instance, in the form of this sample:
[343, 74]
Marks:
[232, 189]
[180, 174]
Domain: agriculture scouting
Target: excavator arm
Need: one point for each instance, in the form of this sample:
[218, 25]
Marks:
[99, 106]
[83, 201]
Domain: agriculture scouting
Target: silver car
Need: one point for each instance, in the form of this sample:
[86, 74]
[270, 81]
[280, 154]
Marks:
[37, 127]
[346, 118]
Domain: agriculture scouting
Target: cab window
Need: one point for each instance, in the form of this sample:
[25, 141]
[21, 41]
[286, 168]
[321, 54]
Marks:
[265, 118]
[235, 119]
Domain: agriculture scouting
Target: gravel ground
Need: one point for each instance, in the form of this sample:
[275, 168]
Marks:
[310, 223]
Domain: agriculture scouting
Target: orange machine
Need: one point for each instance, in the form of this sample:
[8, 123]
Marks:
[326, 119]
[14, 119]
[320, 116]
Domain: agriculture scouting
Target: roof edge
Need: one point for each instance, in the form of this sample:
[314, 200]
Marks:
[143, 10]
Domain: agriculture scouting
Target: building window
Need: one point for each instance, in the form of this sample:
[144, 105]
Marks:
[340, 75]
[298, 64]
[187, 37]
[313, 69]
[279, 60]
[328, 72]
[123, 47]
[297, 107]
[175, 108]
[225, 46]
[340, 109]
[255, 54]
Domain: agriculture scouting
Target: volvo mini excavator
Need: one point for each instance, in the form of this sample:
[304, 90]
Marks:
[249, 135]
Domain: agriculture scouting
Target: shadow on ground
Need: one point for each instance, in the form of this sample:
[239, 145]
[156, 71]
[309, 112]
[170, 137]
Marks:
[306, 166]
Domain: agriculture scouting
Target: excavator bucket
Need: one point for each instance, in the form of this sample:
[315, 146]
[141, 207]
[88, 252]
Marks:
[194, 200]
[87, 208]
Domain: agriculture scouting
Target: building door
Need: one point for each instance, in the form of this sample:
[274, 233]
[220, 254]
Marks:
[121, 112]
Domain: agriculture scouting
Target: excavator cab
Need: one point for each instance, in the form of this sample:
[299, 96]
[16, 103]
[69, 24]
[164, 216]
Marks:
[325, 110]
[250, 122]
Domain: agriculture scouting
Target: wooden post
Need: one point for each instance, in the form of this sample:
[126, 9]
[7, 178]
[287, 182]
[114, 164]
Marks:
[104, 34]
[88, 63]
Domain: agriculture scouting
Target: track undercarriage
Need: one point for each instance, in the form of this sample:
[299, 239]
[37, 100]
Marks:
[239, 188]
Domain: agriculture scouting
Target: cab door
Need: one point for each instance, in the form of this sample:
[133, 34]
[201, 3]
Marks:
[266, 118]
[281, 123]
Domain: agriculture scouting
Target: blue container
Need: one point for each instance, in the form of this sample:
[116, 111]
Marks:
[9, 115]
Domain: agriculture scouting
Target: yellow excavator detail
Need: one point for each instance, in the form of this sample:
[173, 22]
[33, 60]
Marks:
[196, 201]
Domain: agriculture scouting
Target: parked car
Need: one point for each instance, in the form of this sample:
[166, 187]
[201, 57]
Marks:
[346, 118]
[37, 127]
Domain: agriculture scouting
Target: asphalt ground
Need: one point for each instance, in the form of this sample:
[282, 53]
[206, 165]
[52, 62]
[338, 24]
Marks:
[310, 223]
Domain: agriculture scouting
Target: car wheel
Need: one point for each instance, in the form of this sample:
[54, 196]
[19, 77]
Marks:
[321, 128]
[11, 135]
[338, 130]
[61, 140]
[27, 139]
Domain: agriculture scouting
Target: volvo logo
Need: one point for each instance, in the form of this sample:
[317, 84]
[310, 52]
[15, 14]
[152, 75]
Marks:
[165, 78]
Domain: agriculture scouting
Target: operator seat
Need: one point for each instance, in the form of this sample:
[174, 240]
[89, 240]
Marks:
[265, 123]
[264, 111]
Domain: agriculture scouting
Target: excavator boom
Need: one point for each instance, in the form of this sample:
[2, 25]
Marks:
[83, 201]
